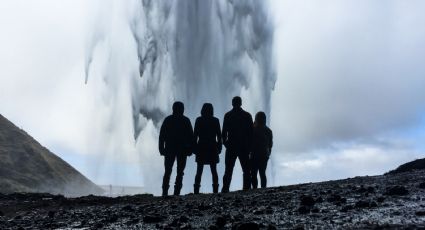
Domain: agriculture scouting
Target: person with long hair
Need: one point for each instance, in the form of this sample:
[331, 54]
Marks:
[262, 143]
[208, 145]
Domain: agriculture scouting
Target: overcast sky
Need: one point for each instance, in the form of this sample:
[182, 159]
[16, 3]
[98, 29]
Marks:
[349, 98]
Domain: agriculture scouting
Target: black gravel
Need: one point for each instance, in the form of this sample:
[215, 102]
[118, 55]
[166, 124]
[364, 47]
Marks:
[391, 201]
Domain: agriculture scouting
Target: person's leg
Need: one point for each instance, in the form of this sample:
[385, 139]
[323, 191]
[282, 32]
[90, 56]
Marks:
[263, 167]
[168, 164]
[254, 172]
[246, 170]
[214, 177]
[230, 160]
[197, 184]
[181, 164]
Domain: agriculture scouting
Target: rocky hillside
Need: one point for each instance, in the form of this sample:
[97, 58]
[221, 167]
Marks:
[393, 201]
[26, 166]
[418, 164]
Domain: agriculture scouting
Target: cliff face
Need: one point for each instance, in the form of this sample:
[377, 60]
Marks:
[26, 166]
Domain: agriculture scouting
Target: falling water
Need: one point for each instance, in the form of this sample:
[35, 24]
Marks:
[147, 54]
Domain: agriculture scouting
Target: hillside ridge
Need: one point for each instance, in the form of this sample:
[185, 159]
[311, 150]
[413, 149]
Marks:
[27, 166]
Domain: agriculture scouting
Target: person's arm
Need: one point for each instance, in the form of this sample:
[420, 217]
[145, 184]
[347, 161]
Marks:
[161, 139]
[195, 136]
[190, 137]
[270, 141]
[218, 134]
[250, 132]
[224, 133]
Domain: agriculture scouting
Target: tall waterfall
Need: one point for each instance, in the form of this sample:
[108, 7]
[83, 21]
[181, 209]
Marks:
[148, 53]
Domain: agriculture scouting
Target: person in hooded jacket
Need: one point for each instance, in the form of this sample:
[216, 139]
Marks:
[262, 143]
[208, 145]
[175, 142]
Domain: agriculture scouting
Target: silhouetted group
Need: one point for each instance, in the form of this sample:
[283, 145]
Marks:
[250, 142]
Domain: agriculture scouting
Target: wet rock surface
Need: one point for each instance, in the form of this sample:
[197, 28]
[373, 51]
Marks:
[390, 201]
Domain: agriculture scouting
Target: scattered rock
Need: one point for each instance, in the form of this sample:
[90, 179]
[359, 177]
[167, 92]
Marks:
[51, 214]
[396, 191]
[98, 225]
[396, 213]
[303, 210]
[152, 219]
[307, 200]
[299, 227]
[213, 227]
[362, 204]
[184, 219]
[247, 226]
[132, 221]
[362, 189]
[221, 221]
[186, 226]
[128, 208]
[204, 207]
[271, 227]
[258, 212]
[269, 210]
[373, 204]
[346, 208]
[239, 217]
[334, 198]
[112, 218]
[370, 189]
[420, 213]
[315, 210]
[319, 199]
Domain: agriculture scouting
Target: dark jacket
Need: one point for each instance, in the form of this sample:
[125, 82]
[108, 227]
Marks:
[262, 142]
[176, 136]
[237, 130]
[207, 140]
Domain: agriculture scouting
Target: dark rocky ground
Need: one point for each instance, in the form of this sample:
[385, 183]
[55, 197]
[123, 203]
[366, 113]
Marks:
[395, 201]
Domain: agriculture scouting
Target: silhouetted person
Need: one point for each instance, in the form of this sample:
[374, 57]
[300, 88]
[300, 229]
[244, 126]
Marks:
[237, 135]
[175, 142]
[207, 145]
[262, 143]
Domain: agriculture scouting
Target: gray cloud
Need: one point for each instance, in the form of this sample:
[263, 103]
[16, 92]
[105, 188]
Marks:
[347, 71]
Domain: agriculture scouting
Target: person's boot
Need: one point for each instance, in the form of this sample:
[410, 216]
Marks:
[196, 188]
[165, 191]
[177, 190]
[225, 189]
[215, 188]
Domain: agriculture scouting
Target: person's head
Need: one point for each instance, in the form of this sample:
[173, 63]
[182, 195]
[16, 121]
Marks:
[207, 110]
[178, 108]
[260, 119]
[237, 102]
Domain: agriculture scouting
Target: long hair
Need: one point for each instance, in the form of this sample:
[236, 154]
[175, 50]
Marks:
[207, 110]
